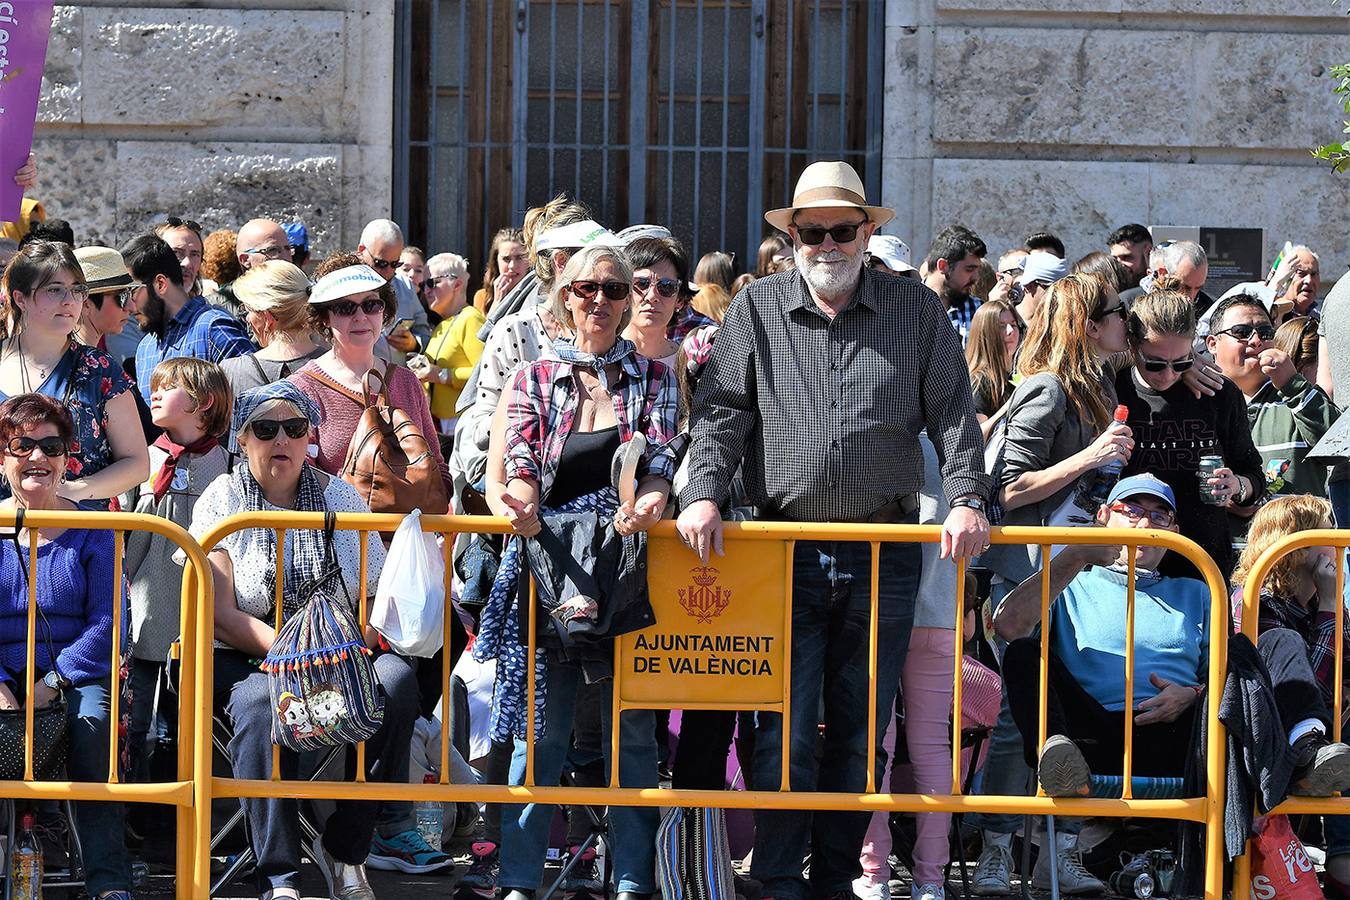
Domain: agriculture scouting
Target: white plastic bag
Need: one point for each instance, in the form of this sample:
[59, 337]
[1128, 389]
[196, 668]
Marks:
[409, 608]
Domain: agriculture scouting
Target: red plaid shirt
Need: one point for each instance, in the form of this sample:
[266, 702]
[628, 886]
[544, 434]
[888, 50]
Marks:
[542, 406]
[1317, 628]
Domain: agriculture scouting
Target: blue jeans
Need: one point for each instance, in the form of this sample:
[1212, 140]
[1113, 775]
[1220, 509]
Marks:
[632, 829]
[831, 608]
[100, 823]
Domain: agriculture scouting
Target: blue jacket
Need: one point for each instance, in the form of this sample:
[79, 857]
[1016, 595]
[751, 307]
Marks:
[75, 607]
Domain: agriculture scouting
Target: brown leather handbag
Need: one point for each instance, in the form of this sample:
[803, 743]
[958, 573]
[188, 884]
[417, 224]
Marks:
[389, 460]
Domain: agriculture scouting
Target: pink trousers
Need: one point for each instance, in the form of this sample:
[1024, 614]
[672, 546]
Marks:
[927, 686]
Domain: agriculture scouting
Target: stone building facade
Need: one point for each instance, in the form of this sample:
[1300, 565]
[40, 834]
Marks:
[1007, 115]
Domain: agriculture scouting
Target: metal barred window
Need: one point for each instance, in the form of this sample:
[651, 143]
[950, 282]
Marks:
[697, 114]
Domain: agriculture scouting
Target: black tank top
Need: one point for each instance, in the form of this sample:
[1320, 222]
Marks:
[584, 466]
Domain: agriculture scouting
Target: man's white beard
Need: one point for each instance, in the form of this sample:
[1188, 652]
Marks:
[829, 278]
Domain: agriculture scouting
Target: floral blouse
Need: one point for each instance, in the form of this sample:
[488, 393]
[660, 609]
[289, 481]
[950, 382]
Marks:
[84, 381]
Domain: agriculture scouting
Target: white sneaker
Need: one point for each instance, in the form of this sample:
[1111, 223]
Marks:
[345, 882]
[930, 891]
[1073, 878]
[993, 872]
[865, 889]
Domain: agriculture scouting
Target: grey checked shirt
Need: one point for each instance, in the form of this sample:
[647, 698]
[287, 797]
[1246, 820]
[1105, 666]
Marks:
[826, 414]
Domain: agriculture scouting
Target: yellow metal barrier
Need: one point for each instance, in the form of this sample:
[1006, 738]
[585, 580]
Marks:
[1251, 610]
[196, 594]
[765, 548]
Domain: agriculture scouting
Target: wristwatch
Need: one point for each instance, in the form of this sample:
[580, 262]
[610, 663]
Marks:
[974, 503]
[55, 681]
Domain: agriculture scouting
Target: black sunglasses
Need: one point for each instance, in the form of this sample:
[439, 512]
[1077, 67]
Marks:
[1117, 310]
[1244, 331]
[121, 297]
[383, 264]
[369, 306]
[841, 234]
[266, 429]
[50, 446]
[666, 287]
[614, 290]
[1158, 365]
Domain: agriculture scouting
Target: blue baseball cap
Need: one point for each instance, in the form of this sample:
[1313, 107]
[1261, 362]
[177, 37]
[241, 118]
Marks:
[296, 235]
[1143, 484]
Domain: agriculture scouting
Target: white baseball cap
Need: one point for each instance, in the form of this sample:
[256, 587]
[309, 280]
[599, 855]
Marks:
[586, 233]
[892, 251]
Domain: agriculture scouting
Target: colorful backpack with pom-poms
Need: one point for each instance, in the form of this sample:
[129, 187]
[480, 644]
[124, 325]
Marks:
[324, 688]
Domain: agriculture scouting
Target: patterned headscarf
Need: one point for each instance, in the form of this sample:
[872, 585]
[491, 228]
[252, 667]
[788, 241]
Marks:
[255, 401]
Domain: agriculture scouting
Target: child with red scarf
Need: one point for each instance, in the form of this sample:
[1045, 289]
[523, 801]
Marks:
[191, 400]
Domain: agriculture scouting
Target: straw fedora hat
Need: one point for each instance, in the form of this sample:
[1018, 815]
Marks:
[828, 185]
[103, 268]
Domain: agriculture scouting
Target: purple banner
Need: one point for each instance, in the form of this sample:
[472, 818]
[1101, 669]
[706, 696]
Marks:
[23, 50]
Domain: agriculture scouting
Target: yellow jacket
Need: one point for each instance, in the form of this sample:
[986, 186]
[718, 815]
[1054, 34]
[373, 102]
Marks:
[455, 346]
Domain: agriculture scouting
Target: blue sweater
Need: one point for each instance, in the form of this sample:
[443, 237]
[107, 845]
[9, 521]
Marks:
[1171, 632]
[74, 578]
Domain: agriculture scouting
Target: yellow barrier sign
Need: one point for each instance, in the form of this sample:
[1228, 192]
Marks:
[712, 641]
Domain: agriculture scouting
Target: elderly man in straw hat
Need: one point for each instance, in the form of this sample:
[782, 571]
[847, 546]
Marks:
[819, 384]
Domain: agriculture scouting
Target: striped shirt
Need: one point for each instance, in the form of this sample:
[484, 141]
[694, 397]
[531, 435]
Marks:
[199, 330]
[826, 414]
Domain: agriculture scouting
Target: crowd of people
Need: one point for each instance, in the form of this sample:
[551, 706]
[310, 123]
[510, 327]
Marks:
[596, 382]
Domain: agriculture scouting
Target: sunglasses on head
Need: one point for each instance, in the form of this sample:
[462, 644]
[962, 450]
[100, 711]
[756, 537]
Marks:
[50, 446]
[1244, 331]
[266, 429]
[666, 287]
[613, 290]
[1158, 365]
[840, 234]
[369, 306]
[382, 265]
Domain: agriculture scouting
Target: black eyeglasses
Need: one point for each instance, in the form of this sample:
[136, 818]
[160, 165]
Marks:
[1158, 365]
[382, 265]
[840, 234]
[613, 290]
[266, 429]
[50, 446]
[666, 287]
[1243, 331]
[369, 306]
[1117, 310]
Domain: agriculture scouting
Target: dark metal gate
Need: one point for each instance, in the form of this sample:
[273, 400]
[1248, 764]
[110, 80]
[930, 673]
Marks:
[697, 114]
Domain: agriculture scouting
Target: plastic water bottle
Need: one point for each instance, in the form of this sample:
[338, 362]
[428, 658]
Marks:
[430, 818]
[1098, 485]
[1111, 470]
[25, 862]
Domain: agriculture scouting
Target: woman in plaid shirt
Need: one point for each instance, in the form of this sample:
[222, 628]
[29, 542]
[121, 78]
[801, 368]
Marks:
[557, 429]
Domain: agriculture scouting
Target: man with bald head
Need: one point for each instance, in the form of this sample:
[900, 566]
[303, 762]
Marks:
[381, 248]
[260, 240]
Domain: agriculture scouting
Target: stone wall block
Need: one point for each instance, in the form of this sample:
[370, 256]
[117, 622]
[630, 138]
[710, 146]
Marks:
[61, 97]
[1005, 200]
[223, 185]
[77, 182]
[1267, 90]
[1060, 86]
[1217, 9]
[197, 67]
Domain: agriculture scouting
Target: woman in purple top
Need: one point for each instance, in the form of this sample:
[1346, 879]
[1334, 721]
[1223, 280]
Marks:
[74, 574]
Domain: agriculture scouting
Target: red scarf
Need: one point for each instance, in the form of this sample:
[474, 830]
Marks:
[164, 477]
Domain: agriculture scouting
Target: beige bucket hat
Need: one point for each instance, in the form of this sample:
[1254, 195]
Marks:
[828, 184]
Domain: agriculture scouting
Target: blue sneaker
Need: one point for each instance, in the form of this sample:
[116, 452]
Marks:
[408, 852]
